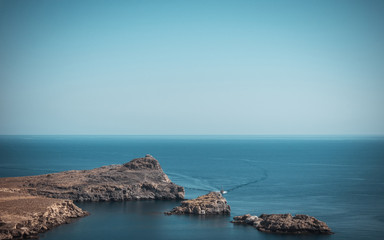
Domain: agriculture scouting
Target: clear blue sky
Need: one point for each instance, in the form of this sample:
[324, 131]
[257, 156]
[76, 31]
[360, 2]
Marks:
[191, 67]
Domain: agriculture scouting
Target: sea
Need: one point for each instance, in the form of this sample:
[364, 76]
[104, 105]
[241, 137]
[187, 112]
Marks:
[337, 179]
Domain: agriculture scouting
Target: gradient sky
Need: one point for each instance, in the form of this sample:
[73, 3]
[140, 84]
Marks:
[191, 67]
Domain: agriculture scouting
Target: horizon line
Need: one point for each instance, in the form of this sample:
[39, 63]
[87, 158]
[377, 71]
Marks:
[250, 135]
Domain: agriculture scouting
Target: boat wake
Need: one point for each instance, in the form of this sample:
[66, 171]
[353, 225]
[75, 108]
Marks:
[192, 183]
[262, 178]
[198, 184]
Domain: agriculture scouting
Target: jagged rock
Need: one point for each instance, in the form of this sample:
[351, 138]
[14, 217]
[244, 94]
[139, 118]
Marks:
[141, 178]
[146, 163]
[247, 219]
[285, 223]
[209, 204]
[24, 216]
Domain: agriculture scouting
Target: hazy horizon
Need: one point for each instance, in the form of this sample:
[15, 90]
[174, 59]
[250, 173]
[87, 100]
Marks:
[192, 67]
[261, 136]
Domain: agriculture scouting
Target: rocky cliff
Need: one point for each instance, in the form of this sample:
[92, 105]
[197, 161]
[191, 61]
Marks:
[24, 216]
[285, 223]
[141, 178]
[211, 203]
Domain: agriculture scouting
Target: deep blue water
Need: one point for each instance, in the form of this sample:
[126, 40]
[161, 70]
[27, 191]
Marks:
[338, 180]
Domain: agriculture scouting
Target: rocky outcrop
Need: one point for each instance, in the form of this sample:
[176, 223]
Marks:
[24, 216]
[141, 178]
[30, 205]
[247, 219]
[209, 204]
[285, 223]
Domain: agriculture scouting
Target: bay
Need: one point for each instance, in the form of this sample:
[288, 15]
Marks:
[337, 179]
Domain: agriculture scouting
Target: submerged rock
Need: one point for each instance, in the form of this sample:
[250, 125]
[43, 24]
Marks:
[209, 204]
[141, 178]
[285, 223]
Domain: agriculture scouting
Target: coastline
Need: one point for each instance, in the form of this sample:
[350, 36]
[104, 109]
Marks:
[34, 204]
[25, 216]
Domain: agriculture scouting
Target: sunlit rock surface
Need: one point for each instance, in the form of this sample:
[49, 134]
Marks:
[212, 203]
[141, 178]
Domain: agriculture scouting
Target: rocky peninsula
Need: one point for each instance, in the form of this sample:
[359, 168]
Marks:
[141, 178]
[24, 216]
[285, 223]
[33, 204]
[212, 203]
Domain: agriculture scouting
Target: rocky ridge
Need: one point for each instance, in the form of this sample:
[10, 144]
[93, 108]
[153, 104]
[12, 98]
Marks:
[141, 178]
[212, 203]
[285, 223]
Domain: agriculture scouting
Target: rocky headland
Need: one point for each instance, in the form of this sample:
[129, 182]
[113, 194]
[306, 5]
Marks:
[285, 223]
[33, 204]
[24, 216]
[141, 178]
[212, 203]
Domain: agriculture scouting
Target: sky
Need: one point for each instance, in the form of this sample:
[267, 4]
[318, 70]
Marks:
[277, 67]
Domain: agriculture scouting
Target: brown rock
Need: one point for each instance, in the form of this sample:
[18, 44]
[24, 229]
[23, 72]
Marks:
[145, 163]
[212, 203]
[285, 223]
[28, 205]
[141, 178]
[24, 216]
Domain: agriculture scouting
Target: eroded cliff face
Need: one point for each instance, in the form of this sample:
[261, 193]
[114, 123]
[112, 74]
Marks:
[212, 203]
[24, 216]
[141, 178]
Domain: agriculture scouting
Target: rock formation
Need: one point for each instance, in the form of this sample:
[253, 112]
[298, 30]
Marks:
[285, 223]
[30, 205]
[209, 204]
[141, 178]
[24, 216]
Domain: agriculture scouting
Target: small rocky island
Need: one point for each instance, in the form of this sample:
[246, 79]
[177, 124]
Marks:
[285, 223]
[212, 203]
[33, 204]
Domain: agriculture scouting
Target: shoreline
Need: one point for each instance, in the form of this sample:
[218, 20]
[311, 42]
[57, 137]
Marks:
[34, 204]
[25, 216]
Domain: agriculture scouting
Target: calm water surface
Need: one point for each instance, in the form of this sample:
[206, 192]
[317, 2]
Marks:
[339, 180]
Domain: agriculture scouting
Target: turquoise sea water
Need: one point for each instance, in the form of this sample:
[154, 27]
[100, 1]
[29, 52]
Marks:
[338, 180]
